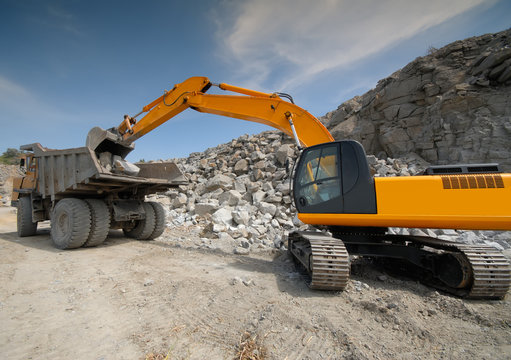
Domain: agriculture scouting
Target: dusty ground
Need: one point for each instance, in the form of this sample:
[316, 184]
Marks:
[129, 299]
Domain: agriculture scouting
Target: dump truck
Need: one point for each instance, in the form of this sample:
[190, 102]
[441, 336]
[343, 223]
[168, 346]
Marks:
[333, 190]
[85, 195]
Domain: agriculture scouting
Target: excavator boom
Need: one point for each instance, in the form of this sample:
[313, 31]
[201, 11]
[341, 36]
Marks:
[250, 105]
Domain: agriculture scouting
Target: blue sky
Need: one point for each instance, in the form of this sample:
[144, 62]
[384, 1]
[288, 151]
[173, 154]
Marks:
[67, 66]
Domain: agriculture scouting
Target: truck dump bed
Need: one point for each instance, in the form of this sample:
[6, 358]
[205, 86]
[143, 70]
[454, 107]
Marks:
[78, 172]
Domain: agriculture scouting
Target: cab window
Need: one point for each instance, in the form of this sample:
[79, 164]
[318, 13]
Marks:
[318, 185]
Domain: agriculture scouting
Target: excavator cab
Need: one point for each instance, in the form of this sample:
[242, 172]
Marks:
[334, 178]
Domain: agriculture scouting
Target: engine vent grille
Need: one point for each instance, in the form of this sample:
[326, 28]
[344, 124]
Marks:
[486, 181]
[470, 169]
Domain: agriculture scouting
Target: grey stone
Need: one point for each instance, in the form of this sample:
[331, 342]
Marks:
[223, 216]
[469, 237]
[231, 198]
[225, 237]
[257, 155]
[278, 242]
[253, 186]
[245, 243]
[180, 201]
[267, 208]
[260, 165]
[258, 196]
[240, 184]
[417, 232]
[494, 244]
[258, 174]
[241, 217]
[505, 76]
[273, 198]
[283, 188]
[284, 153]
[219, 182]
[241, 251]
[205, 208]
[241, 167]
[267, 187]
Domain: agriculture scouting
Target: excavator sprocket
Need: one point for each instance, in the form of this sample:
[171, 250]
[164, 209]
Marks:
[324, 258]
[490, 269]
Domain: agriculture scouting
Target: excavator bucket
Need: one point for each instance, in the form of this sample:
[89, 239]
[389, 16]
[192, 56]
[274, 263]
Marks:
[100, 140]
[111, 153]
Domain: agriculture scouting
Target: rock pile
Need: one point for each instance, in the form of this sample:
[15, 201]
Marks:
[7, 172]
[239, 192]
[239, 195]
[451, 106]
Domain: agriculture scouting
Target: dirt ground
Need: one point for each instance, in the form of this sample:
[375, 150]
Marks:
[132, 299]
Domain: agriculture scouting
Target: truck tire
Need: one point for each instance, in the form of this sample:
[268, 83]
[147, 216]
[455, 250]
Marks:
[70, 223]
[24, 217]
[159, 223]
[100, 222]
[143, 228]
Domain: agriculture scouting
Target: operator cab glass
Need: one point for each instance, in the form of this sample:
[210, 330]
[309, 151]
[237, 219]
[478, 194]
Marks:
[318, 183]
[334, 178]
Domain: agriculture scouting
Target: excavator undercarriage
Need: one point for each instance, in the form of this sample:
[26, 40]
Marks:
[471, 271]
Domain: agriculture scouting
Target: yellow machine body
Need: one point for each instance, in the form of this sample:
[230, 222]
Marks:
[476, 202]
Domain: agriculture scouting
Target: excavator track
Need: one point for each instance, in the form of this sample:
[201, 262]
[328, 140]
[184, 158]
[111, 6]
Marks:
[469, 271]
[482, 272]
[491, 271]
[486, 271]
[324, 259]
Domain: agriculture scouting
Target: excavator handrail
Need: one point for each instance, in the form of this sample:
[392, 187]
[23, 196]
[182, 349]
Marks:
[255, 106]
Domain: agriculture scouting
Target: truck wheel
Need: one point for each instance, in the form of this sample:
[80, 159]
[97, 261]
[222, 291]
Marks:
[159, 224]
[70, 223]
[100, 222]
[24, 217]
[143, 228]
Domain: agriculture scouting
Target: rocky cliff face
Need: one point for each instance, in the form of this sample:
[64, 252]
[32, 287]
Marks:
[452, 106]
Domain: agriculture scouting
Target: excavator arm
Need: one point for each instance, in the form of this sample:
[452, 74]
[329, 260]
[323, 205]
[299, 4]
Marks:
[250, 105]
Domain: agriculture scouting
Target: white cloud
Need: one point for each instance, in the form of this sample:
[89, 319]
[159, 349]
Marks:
[10, 90]
[308, 37]
[23, 106]
[55, 17]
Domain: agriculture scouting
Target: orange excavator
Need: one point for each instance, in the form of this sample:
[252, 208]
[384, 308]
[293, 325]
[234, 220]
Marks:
[333, 189]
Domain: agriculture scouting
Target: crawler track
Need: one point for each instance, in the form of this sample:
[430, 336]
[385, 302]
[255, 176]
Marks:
[491, 271]
[471, 271]
[487, 272]
[324, 258]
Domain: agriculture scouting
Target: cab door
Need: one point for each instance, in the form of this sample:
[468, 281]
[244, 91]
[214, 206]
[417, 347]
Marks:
[317, 183]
